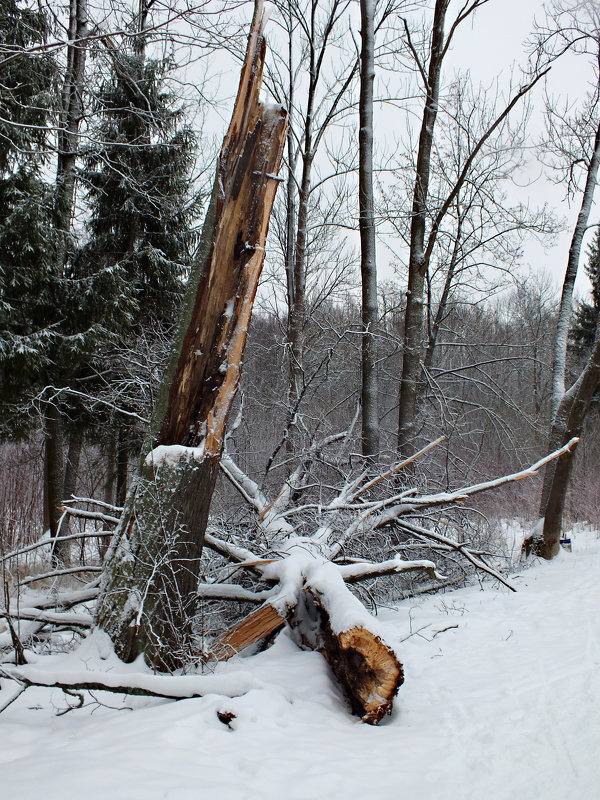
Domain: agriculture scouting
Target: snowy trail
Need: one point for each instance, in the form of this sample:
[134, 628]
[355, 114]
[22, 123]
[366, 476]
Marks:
[505, 705]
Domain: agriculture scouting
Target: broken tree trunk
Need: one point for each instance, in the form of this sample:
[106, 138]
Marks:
[324, 616]
[149, 586]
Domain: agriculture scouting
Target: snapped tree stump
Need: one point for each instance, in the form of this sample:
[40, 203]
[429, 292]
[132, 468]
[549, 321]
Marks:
[149, 586]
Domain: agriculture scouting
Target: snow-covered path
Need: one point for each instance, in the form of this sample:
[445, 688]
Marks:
[502, 702]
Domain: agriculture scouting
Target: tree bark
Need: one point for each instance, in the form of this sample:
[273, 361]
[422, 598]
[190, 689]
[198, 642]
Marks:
[568, 422]
[53, 467]
[63, 549]
[122, 466]
[68, 132]
[569, 408]
[413, 325]
[69, 122]
[110, 474]
[368, 263]
[149, 586]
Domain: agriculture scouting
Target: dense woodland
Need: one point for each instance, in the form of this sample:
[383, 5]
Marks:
[395, 310]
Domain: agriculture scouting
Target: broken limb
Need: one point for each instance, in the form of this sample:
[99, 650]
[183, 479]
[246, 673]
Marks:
[182, 687]
[49, 617]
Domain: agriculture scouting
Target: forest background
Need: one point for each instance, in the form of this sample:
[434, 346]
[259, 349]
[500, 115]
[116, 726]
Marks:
[109, 117]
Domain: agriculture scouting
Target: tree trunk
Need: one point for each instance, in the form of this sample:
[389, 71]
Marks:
[565, 313]
[110, 473]
[122, 467]
[368, 264]
[63, 549]
[568, 408]
[568, 422]
[413, 326]
[150, 581]
[53, 468]
[70, 119]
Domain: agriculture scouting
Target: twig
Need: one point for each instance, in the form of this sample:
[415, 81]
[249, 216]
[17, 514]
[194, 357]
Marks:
[16, 695]
[443, 630]
[57, 573]
[92, 501]
[79, 512]
[20, 659]
[51, 542]
[397, 468]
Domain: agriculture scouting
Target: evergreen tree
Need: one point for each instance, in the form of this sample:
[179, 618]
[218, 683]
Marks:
[27, 91]
[137, 176]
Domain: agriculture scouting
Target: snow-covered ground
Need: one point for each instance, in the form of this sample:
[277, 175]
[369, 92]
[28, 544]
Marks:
[501, 700]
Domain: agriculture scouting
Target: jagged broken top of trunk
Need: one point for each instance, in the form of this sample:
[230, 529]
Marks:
[208, 368]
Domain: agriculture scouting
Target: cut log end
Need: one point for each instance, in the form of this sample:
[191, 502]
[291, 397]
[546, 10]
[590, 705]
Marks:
[367, 669]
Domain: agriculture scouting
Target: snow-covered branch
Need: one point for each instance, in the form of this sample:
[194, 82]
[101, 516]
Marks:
[359, 571]
[171, 687]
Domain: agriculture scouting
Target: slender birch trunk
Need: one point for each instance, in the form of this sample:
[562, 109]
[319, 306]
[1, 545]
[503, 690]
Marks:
[565, 312]
[569, 407]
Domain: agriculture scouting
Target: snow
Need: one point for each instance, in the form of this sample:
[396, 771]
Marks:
[172, 454]
[500, 700]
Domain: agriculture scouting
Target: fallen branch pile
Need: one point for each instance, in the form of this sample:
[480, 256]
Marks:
[295, 580]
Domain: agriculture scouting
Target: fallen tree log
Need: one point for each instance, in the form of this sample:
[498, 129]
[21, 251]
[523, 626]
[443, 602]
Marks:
[182, 687]
[324, 615]
[366, 668]
[328, 618]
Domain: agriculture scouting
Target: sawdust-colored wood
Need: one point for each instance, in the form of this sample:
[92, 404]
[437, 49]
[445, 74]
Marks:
[369, 671]
[251, 630]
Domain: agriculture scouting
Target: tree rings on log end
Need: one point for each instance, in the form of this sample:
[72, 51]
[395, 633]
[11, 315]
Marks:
[369, 672]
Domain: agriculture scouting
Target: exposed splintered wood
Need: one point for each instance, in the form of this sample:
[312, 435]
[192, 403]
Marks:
[253, 629]
[152, 569]
[367, 669]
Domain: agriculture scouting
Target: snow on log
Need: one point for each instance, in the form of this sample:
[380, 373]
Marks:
[49, 617]
[325, 616]
[172, 687]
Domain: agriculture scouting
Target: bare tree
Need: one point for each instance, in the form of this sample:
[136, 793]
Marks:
[426, 222]
[70, 117]
[574, 147]
[368, 263]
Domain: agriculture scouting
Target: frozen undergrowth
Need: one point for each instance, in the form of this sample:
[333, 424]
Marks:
[500, 701]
